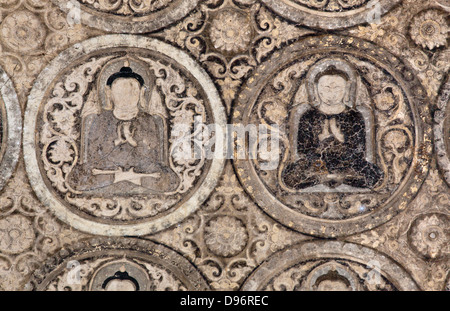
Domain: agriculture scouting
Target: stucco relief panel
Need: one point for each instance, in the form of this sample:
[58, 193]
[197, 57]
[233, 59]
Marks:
[339, 180]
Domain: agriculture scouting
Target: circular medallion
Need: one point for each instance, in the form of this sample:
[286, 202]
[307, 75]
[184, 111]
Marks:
[343, 141]
[329, 266]
[110, 141]
[117, 265]
[328, 14]
[126, 16]
[442, 130]
[10, 128]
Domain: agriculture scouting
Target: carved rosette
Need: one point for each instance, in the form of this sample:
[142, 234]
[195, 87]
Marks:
[429, 29]
[116, 264]
[327, 266]
[127, 16]
[226, 236]
[16, 234]
[393, 107]
[150, 179]
[330, 14]
[23, 32]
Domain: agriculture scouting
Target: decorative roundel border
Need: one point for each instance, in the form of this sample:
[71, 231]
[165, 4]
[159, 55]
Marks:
[314, 250]
[422, 154]
[13, 126]
[329, 20]
[121, 247]
[113, 23]
[441, 119]
[37, 95]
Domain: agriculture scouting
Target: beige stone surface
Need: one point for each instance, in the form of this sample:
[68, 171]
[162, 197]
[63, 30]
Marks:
[106, 105]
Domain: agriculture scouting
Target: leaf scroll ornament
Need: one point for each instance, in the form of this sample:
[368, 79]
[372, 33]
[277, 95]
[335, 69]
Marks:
[181, 100]
[59, 132]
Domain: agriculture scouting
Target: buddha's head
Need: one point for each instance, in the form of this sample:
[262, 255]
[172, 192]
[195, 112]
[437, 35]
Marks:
[332, 85]
[331, 89]
[124, 92]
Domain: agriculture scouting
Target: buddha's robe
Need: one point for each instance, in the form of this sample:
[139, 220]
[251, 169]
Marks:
[331, 145]
[121, 155]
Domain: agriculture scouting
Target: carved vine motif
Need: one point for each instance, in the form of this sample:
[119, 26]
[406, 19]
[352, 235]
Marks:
[127, 7]
[61, 147]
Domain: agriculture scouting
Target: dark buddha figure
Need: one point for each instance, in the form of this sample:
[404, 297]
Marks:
[331, 140]
[123, 146]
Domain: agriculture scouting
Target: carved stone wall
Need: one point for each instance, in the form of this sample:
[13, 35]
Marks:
[132, 155]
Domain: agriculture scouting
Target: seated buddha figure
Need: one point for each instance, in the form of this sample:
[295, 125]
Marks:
[331, 136]
[123, 145]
